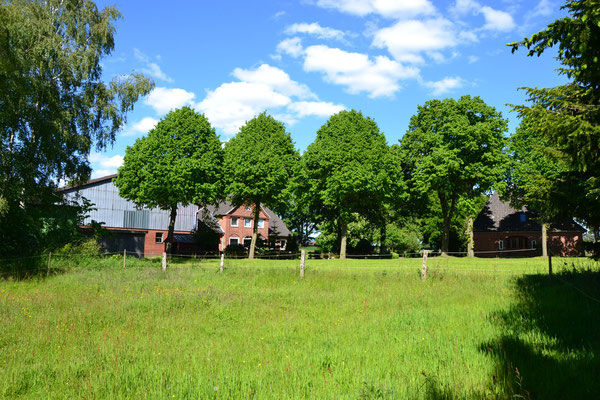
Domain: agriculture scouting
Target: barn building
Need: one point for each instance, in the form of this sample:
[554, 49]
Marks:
[143, 231]
[503, 231]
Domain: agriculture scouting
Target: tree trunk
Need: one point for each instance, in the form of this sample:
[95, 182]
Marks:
[471, 244]
[169, 240]
[382, 238]
[254, 230]
[447, 212]
[343, 237]
[596, 230]
[544, 240]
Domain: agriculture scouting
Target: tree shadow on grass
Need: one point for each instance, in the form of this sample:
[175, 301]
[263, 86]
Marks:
[549, 347]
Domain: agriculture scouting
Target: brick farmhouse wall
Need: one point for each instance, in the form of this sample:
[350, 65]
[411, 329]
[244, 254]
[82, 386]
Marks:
[241, 231]
[560, 243]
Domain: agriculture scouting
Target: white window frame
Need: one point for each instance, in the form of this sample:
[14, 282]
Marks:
[248, 208]
[282, 243]
[261, 223]
[236, 219]
[533, 243]
[237, 240]
[159, 238]
[500, 244]
[247, 222]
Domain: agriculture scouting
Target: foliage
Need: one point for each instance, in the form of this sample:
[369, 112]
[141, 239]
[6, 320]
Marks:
[347, 169]
[235, 250]
[259, 163]
[89, 247]
[404, 237]
[568, 116]
[177, 163]
[206, 238]
[454, 149]
[54, 105]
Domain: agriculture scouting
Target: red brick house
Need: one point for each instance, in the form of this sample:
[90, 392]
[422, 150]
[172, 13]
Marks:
[503, 231]
[236, 225]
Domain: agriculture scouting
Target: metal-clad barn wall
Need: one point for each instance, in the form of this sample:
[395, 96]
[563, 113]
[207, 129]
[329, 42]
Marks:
[116, 212]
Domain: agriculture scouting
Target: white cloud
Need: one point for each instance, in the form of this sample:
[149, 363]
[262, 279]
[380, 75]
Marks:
[473, 59]
[406, 39]
[543, 9]
[317, 108]
[264, 88]
[315, 29]
[445, 85]
[358, 73]
[164, 99]
[291, 46]
[385, 8]
[232, 104]
[99, 173]
[496, 20]
[151, 68]
[104, 165]
[142, 126]
[274, 78]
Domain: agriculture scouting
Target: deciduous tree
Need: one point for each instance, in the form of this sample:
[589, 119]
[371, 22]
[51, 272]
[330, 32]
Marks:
[259, 162]
[179, 162]
[348, 171]
[456, 150]
[54, 103]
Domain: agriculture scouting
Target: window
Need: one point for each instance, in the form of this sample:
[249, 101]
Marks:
[523, 217]
[247, 223]
[261, 223]
[282, 243]
[247, 242]
[158, 238]
[248, 208]
[501, 245]
[234, 241]
[533, 244]
[234, 221]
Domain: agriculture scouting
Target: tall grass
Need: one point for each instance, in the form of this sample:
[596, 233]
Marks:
[349, 329]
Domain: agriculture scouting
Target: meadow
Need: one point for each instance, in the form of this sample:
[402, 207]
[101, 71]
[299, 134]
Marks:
[355, 329]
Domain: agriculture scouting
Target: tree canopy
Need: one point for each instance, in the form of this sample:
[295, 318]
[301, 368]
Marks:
[259, 163]
[54, 104]
[179, 162]
[454, 148]
[568, 116]
[347, 169]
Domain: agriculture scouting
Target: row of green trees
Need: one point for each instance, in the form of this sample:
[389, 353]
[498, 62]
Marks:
[453, 152]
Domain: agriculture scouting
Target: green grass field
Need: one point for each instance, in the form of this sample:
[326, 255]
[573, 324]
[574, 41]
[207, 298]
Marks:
[351, 329]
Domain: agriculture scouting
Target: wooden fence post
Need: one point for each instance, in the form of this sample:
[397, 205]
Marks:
[49, 263]
[550, 264]
[164, 261]
[302, 262]
[424, 269]
[222, 262]
[124, 257]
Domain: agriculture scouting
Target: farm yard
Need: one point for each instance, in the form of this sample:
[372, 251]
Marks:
[476, 328]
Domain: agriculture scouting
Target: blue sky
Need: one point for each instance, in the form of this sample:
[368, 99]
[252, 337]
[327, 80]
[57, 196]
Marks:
[305, 60]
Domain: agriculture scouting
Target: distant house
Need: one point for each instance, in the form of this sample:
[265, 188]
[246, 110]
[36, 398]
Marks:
[501, 230]
[142, 231]
[236, 225]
